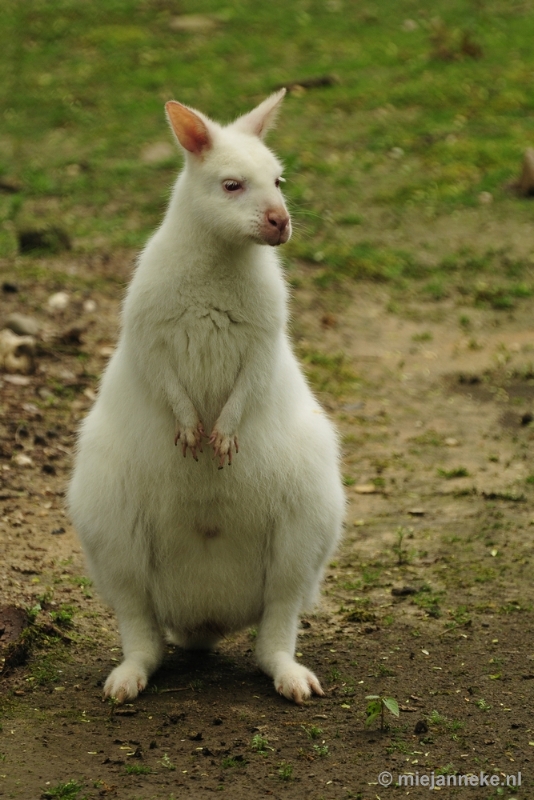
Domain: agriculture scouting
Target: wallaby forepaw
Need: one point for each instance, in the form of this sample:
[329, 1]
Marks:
[223, 447]
[297, 683]
[189, 438]
[125, 683]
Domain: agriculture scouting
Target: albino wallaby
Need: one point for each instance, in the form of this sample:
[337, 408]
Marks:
[191, 549]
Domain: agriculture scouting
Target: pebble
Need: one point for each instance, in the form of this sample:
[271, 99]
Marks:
[366, 488]
[22, 460]
[58, 301]
[17, 380]
[22, 325]
[16, 352]
[89, 306]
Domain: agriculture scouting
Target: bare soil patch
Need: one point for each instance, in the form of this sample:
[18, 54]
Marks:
[429, 600]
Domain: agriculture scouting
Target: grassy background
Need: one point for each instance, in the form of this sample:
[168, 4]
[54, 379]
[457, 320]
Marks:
[432, 106]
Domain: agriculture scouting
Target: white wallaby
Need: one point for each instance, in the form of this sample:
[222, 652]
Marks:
[191, 548]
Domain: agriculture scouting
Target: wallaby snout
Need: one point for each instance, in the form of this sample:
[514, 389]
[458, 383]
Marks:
[277, 226]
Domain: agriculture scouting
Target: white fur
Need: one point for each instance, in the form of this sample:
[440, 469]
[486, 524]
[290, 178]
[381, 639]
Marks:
[181, 547]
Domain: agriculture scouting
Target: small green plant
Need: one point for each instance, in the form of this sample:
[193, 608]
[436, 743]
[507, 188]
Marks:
[63, 616]
[137, 769]
[285, 771]
[260, 744]
[425, 336]
[377, 706]
[313, 732]
[64, 791]
[435, 718]
[45, 671]
[321, 750]
[84, 584]
[399, 549]
[448, 769]
[428, 600]
[230, 762]
[456, 472]
[166, 762]
[482, 704]
[334, 675]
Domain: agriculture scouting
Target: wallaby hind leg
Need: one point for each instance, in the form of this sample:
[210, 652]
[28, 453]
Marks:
[142, 644]
[298, 553]
[275, 651]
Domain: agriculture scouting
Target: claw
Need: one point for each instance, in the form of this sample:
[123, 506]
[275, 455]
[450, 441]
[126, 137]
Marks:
[222, 447]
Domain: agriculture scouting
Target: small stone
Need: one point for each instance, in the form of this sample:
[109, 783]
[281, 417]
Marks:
[32, 410]
[485, 198]
[106, 351]
[22, 325]
[451, 442]
[416, 512]
[58, 531]
[9, 288]
[195, 736]
[365, 488]
[89, 306]
[17, 380]
[17, 353]
[58, 302]
[410, 25]
[22, 460]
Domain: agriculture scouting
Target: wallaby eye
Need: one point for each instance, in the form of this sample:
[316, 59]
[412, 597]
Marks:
[232, 186]
[278, 181]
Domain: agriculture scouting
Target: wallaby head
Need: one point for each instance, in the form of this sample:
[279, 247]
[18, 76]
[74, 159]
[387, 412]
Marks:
[231, 179]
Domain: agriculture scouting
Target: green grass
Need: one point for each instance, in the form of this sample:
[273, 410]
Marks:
[64, 791]
[422, 118]
[137, 769]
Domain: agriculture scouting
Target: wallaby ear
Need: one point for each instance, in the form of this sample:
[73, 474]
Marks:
[188, 127]
[260, 119]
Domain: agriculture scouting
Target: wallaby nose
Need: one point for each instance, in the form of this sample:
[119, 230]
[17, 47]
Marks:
[278, 219]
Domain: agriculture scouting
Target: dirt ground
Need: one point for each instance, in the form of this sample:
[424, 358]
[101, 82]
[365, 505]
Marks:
[429, 600]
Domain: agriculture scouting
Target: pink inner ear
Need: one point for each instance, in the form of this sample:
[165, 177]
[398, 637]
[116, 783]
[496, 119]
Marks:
[189, 128]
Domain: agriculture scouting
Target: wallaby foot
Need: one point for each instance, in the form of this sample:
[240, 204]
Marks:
[125, 682]
[294, 681]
